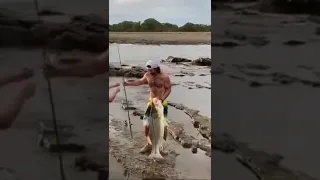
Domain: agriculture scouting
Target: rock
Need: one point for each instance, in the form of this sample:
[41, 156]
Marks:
[253, 40]
[187, 73]
[305, 67]
[225, 44]
[48, 12]
[256, 66]
[177, 59]
[84, 163]
[86, 33]
[224, 142]
[133, 72]
[282, 78]
[294, 43]
[202, 62]
[256, 73]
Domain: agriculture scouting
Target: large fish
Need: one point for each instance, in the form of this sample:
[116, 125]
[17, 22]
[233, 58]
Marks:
[156, 130]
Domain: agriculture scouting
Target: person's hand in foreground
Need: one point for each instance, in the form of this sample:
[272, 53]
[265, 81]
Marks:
[21, 75]
[9, 114]
[114, 85]
[114, 94]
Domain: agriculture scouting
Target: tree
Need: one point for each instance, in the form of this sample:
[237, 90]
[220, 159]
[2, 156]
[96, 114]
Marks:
[152, 25]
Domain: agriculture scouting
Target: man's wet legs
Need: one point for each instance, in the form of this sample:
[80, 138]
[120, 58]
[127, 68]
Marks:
[148, 145]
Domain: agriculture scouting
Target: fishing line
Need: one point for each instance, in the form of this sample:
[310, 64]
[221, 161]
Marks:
[125, 93]
[53, 111]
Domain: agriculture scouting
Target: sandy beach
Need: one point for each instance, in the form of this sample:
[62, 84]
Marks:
[265, 92]
[174, 38]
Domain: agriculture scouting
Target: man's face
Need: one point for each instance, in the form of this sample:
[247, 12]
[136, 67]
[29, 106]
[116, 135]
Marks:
[151, 70]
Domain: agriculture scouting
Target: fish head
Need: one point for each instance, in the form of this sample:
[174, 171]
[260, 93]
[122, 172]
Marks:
[158, 105]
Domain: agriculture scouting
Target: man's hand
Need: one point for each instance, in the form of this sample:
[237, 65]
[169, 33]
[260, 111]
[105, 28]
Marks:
[118, 89]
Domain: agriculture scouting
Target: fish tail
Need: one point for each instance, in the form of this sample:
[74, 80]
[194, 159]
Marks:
[156, 155]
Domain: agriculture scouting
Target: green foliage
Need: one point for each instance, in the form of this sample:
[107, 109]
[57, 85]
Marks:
[152, 25]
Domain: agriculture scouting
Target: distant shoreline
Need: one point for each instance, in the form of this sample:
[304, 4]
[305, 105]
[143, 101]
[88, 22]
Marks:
[157, 38]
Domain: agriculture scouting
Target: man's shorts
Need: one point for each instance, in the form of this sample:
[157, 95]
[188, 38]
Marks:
[151, 113]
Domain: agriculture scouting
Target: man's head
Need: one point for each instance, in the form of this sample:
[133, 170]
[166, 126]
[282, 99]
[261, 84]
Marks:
[153, 66]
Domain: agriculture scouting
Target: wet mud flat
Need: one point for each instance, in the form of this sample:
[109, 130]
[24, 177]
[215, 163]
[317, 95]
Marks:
[158, 38]
[184, 135]
[28, 149]
[263, 81]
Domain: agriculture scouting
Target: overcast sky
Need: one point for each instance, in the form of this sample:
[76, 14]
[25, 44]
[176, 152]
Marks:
[172, 11]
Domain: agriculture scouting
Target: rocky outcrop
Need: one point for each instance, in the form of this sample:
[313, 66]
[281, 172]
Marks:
[86, 33]
[259, 75]
[132, 72]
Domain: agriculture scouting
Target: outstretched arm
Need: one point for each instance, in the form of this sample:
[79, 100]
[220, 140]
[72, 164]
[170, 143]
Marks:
[15, 77]
[114, 85]
[139, 82]
[114, 94]
[9, 114]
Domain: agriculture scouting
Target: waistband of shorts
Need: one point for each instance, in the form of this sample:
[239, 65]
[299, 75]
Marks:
[164, 103]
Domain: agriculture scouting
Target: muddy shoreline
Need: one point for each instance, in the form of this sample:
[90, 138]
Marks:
[189, 131]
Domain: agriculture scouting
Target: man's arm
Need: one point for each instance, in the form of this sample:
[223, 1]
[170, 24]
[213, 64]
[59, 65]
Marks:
[9, 114]
[113, 95]
[92, 68]
[114, 85]
[15, 77]
[167, 86]
[139, 82]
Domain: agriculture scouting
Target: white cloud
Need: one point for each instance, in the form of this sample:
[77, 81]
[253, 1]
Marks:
[172, 11]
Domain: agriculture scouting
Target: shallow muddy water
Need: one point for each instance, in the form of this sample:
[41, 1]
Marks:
[196, 166]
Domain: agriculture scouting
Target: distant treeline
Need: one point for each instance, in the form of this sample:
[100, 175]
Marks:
[152, 25]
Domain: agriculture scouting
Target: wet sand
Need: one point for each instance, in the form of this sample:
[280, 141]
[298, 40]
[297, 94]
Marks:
[274, 118]
[160, 37]
[186, 164]
[80, 103]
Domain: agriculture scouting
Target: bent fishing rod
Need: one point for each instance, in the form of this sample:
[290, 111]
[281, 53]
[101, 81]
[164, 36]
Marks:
[53, 111]
[125, 93]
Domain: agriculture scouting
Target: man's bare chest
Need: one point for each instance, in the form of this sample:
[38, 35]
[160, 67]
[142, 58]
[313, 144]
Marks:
[157, 82]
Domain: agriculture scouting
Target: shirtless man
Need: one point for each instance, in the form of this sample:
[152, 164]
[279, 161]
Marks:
[8, 115]
[94, 67]
[160, 87]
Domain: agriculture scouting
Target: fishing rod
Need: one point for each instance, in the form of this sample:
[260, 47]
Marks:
[53, 111]
[125, 93]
